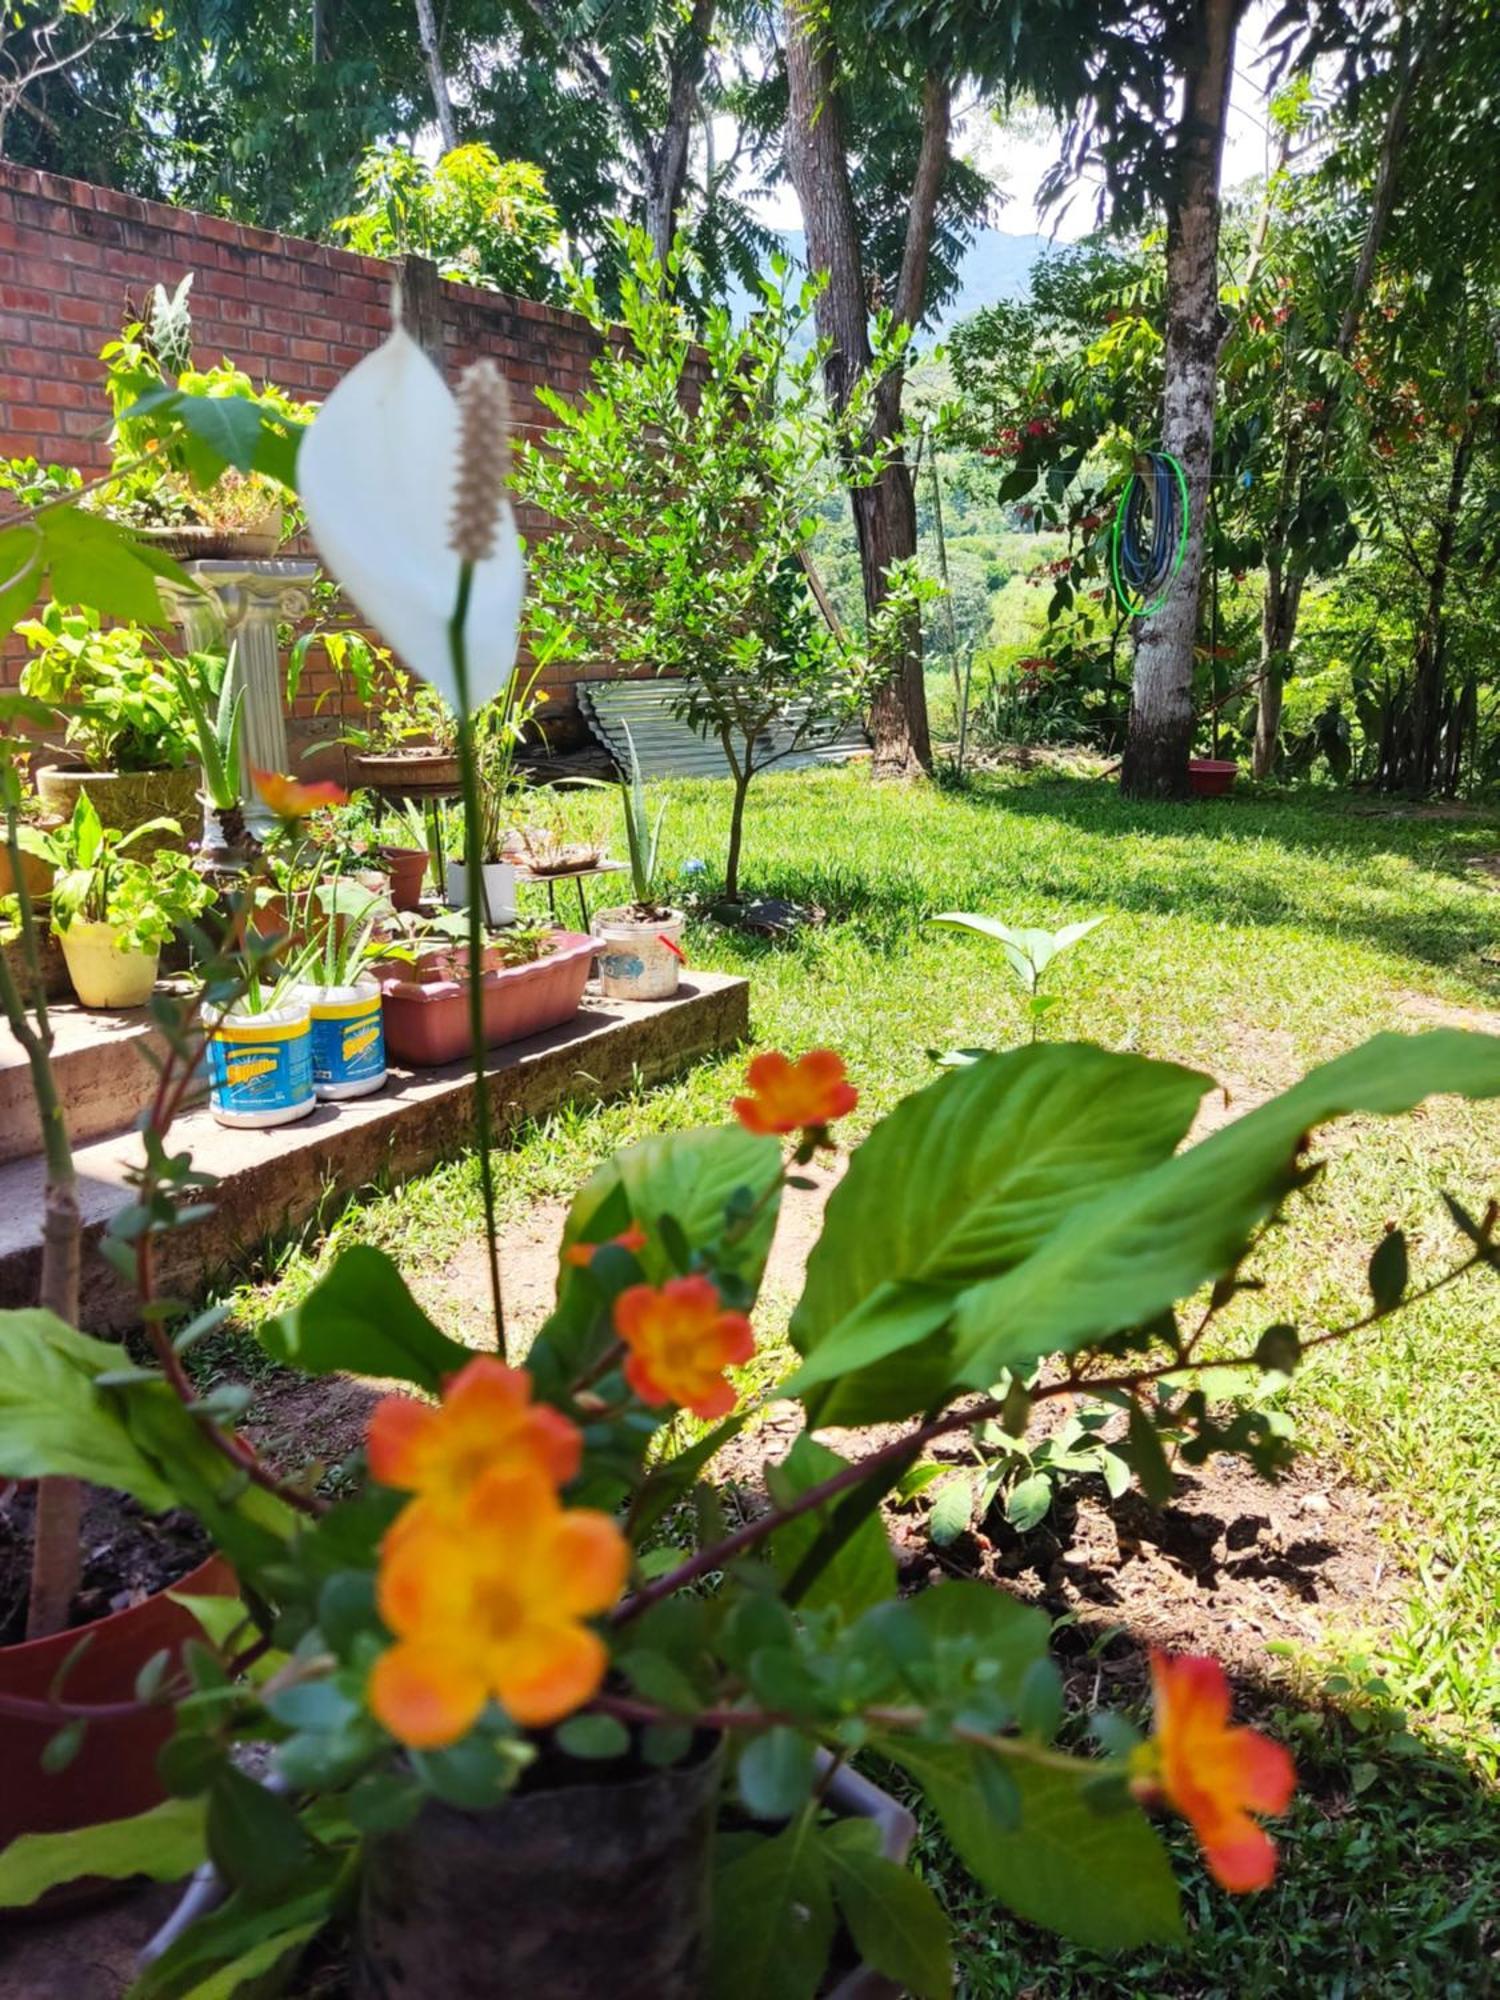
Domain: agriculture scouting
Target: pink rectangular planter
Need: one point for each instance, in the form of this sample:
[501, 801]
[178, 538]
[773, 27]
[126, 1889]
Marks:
[427, 1010]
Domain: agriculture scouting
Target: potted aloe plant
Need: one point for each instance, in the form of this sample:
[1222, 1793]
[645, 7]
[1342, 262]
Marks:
[498, 730]
[111, 911]
[640, 945]
[333, 975]
[260, 1067]
[215, 704]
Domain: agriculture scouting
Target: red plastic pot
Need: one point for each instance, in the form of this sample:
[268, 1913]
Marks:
[408, 866]
[427, 1010]
[1211, 777]
[113, 1775]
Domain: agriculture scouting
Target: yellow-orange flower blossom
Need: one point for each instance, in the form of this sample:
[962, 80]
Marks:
[487, 1420]
[581, 1255]
[1214, 1774]
[489, 1601]
[292, 798]
[681, 1339]
[787, 1096]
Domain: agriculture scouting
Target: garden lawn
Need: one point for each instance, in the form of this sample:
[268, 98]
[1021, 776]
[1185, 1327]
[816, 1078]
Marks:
[1250, 937]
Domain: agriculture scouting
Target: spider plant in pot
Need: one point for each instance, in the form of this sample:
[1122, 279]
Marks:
[341, 993]
[215, 702]
[640, 954]
[112, 912]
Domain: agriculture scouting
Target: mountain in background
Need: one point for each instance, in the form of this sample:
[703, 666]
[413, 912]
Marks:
[998, 266]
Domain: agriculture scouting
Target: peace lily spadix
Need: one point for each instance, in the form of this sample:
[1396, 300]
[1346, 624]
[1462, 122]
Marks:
[382, 472]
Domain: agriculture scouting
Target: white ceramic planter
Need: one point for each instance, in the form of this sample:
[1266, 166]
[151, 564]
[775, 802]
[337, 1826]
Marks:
[499, 890]
[638, 961]
[260, 1066]
[348, 1038]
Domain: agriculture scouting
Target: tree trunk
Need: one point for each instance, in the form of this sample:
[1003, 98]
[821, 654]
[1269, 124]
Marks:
[1286, 572]
[437, 76]
[1429, 690]
[743, 773]
[1160, 737]
[664, 165]
[885, 514]
[1278, 624]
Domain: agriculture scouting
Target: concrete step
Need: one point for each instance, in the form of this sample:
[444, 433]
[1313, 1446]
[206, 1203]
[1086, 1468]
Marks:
[99, 1060]
[271, 1182]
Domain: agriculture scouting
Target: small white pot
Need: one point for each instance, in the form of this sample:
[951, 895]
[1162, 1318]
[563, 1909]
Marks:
[638, 961]
[499, 889]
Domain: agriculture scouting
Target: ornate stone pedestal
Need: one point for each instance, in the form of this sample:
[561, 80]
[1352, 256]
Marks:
[243, 603]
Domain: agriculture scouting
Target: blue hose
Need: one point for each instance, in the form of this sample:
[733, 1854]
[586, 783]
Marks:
[1149, 538]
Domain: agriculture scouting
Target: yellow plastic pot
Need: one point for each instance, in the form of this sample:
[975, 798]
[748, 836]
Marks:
[102, 972]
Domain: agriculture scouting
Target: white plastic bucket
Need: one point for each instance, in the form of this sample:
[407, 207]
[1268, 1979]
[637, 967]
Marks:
[499, 890]
[638, 961]
[260, 1066]
[348, 1038]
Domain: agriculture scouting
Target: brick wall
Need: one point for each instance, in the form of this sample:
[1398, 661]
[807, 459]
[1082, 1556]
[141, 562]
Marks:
[281, 308]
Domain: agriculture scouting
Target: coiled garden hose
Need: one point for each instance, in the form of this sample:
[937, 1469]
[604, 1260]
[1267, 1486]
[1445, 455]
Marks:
[1149, 537]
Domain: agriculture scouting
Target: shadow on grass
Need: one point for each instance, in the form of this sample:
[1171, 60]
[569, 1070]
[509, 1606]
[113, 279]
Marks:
[1236, 861]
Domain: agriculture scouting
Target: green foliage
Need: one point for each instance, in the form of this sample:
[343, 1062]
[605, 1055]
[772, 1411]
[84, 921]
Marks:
[682, 527]
[363, 1320]
[203, 681]
[124, 711]
[482, 220]
[98, 882]
[1028, 953]
[165, 1843]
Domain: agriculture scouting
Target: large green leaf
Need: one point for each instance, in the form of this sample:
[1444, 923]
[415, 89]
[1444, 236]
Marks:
[1100, 1878]
[1135, 1250]
[962, 1182]
[896, 1922]
[863, 1572]
[691, 1177]
[53, 1419]
[219, 1955]
[773, 1918]
[362, 1320]
[95, 561]
[165, 1843]
[251, 1526]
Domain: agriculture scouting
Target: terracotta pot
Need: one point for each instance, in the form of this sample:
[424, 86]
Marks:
[571, 1892]
[427, 1007]
[1211, 777]
[408, 866]
[114, 1774]
[36, 873]
[412, 774]
[125, 800]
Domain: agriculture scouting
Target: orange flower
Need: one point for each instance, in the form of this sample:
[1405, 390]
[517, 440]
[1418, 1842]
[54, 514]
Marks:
[788, 1096]
[291, 798]
[681, 1340]
[1211, 1773]
[581, 1255]
[490, 1602]
[487, 1419]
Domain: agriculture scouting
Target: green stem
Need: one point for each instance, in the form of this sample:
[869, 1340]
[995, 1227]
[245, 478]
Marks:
[474, 867]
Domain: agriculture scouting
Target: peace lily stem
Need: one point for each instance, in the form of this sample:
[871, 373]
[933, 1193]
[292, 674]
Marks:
[474, 869]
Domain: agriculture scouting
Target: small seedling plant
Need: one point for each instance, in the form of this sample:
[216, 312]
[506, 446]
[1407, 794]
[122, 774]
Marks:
[1028, 954]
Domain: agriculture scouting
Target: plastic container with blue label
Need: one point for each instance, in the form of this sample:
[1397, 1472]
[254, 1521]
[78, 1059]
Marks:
[260, 1066]
[348, 1037]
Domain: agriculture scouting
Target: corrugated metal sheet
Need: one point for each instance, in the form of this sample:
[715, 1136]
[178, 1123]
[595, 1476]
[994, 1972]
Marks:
[669, 747]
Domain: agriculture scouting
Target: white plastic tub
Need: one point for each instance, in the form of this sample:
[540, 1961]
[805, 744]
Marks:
[348, 1038]
[260, 1066]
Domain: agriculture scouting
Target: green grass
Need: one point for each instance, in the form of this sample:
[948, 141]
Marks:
[1252, 938]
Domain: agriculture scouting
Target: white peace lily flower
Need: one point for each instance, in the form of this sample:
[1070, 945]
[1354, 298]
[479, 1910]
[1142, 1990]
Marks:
[379, 473]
